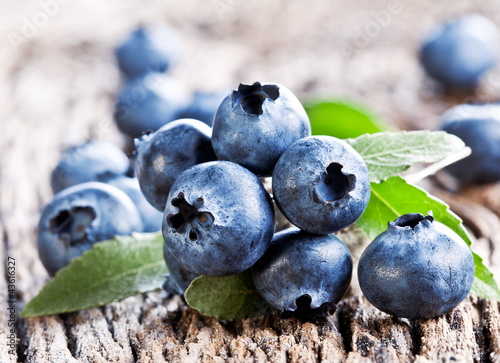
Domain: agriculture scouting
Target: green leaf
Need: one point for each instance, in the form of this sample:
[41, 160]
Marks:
[226, 298]
[342, 119]
[395, 197]
[110, 271]
[390, 153]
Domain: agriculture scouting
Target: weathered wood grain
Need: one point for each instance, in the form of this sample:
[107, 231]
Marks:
[144, 329]
[57, 89]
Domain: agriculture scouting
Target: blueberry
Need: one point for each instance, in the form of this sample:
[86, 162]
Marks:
[80, 216]
[147, 103]
[256, 123]
[303, 273]
[461, 51]
[148, 49]
[218, 219]
[151, 217]
[321, 184]
[479, 127]
[161, 156]
[417, 269]
[88, 162]
[203, 106]
[179, 276]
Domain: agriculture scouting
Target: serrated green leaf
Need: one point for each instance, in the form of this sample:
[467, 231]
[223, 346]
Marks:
[110, 271]
[395, 197]
[388, 154]
[342, 119]
[226, 298]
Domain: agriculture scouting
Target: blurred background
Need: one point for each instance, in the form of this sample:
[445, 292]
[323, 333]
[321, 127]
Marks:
[57, 55]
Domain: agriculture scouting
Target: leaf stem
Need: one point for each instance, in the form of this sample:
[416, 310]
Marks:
[434, 168]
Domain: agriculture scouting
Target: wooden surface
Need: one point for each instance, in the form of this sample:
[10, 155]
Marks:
[57, 89]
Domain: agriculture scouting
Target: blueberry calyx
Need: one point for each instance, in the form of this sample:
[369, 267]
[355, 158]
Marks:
[250, 98]
[334, 185]
[412, 221]
[189, 219]
[305, 311]
[71, 225]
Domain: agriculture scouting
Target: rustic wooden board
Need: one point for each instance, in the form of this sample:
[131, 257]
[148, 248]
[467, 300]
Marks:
[57, 88]
[154, 328]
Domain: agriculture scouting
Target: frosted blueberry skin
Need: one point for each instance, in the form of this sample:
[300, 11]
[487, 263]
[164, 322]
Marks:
[161, 156]
[321, 184]
[179, 277]
[148, 102]
[417, 269]
[148, 49]
[151, 217]
[479, 128]
[256, 123]
[88, 162]
[80, 216]
[461, 51]
[218, 219]
[303, 274]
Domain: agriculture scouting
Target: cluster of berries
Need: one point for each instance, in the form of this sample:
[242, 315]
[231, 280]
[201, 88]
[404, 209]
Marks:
[201, 186]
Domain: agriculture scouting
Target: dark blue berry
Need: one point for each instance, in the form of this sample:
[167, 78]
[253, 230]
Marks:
[88, 162]
[417, 269]
[148, 49]
[179, 277]
[479, 127]
[148, 102]
[218, 219]
[161, 156]
[151, 217]
[303, 273]
[256, 123]
[461, 51]
[80, 216]
[321, 184]
[203, 106]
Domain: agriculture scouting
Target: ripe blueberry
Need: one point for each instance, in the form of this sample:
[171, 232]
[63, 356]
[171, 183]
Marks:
[88, 162]
[303, 273]
[461, 51]
[148, 102]
[179, 277]
[255, 124]
[203, 107]
[80, 216]
[321, 184]
[151, 217]
[161, 156]
[218, 219]
[148, 49]
[479, 127]
[417, 269]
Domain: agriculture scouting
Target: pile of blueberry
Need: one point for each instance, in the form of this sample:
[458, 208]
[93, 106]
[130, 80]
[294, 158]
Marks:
[198, 176]
[219, 218]
[458, 54]
[151, 97]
